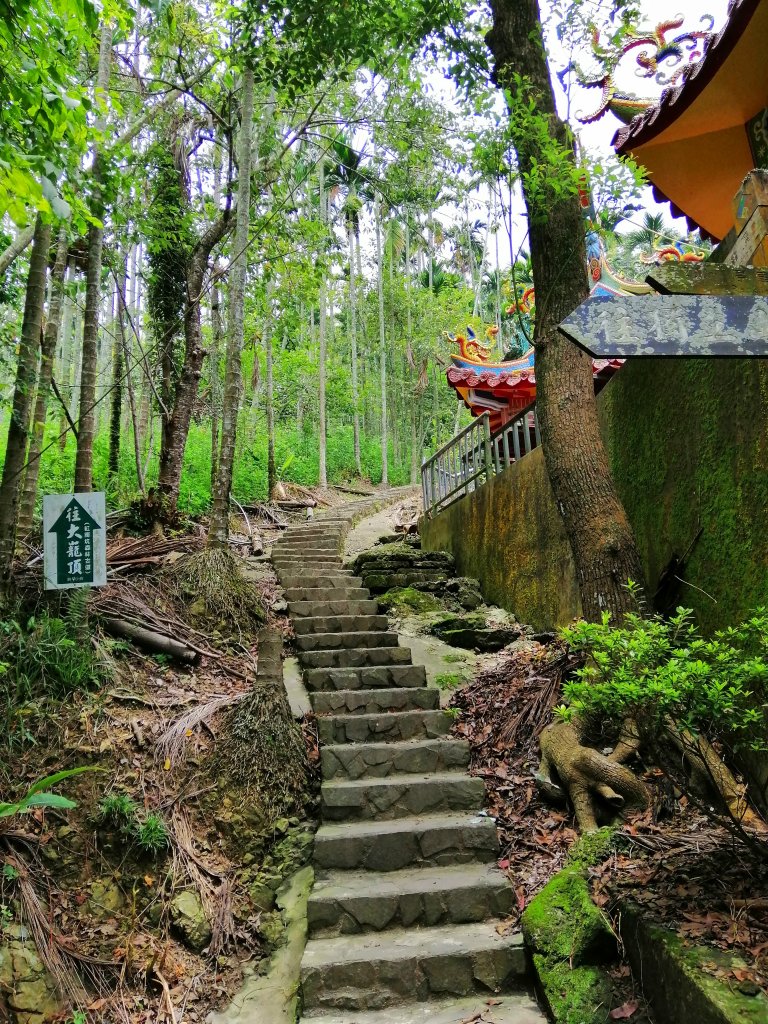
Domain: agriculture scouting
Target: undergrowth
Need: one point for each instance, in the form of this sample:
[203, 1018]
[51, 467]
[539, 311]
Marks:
[212, 586]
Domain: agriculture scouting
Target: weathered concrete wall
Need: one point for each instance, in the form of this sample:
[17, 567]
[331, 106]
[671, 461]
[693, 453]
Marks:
[688, 445]
[508, 535]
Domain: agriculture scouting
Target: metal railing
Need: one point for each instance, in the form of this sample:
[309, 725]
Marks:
[474, 455]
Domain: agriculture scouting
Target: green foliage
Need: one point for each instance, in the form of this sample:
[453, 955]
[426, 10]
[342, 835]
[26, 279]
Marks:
[652, 670]
[151, 836]
[39, 794]
[449, 680]
[119, 810]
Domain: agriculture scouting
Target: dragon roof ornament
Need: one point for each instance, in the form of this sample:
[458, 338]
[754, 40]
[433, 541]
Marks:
[659, 58]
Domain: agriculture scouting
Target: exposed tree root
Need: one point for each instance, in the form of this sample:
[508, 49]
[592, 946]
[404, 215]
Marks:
[212, 585]
[586, 774]
[710, 774]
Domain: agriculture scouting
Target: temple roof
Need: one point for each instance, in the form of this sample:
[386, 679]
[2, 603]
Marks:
[693, 141]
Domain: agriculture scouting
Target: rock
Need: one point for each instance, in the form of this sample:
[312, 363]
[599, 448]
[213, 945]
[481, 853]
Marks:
[472, 632]
[263, 895]
[465, 592]
[271, 929]
[189, 920]
[279, 605]
[26, 988]
[563, 923]
[405, 600]
[106, 899]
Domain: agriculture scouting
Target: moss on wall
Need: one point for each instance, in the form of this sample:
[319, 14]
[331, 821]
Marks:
[688, 444]
[508, 535]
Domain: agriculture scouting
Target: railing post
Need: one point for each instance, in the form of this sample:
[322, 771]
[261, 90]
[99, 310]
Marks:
[487, 446]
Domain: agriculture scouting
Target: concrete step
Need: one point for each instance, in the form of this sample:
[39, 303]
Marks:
[348, 902]
[371, 677]
[338, 579]
[346, 641]
[314, 609]
[356, 657]
[369, 972]
[388, 726]
[340, 624]
[307, 549]
[321, 594]
[431, 840]
[404, 757]
[359, 703]
[513, 1008]
[400, 796]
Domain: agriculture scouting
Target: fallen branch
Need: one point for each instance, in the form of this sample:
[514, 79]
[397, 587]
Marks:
[157, 643]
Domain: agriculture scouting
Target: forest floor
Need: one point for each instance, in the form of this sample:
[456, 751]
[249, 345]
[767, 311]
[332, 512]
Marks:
[127, 911]
[687, 874]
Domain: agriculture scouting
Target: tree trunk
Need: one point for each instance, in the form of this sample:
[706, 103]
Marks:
[24, 389]
[47, 354]
[218, 532]
[322, 440]
[270, 400]
[213, 363]
[353, 347]
[382, 348]
[122, 313]
[16, 248]
[603, 546]
[118, 371]
[86, 427]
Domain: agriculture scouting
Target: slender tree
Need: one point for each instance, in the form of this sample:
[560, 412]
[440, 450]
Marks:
[23, 396]
[603, 546]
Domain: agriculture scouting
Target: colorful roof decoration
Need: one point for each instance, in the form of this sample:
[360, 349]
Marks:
[656, 51]
[505, 388]
[695, 140]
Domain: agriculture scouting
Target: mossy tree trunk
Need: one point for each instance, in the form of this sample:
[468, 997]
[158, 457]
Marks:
[86, 426]
[49, 342]
[218, 532]
[23, 394]
[604, 548]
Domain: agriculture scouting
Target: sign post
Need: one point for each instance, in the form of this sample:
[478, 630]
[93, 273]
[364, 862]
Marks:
[74, 540]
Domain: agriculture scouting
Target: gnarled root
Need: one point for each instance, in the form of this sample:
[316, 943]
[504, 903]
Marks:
[709, 773]
[586, 774]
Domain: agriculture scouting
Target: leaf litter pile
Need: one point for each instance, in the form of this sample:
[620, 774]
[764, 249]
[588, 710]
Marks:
[96, 886]
[689, 875]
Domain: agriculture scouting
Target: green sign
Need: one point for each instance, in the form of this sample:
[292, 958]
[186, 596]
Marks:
[757, 132]
[74, 537]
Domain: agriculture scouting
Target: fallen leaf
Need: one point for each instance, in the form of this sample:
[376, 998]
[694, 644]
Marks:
[99, 1004]
[167, 764]
[624, 1011]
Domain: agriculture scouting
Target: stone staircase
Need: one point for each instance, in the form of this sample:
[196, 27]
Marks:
[402, 918]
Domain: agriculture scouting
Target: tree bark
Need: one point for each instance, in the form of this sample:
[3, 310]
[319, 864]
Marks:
[47, 354]
[16, 248]
[351, 238]
[118, 371]
[382, 348]
[86, 427]
[321, 358]
[218, 532]
[604, 548]
[18, 428]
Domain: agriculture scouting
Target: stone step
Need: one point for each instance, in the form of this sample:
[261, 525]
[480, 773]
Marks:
[368, 678]
[369, 972]
[404, 757]
[315, 594]
[346, 641]
[315, 609]
[349, 902]
[283, 562]
[336, 580]
[308, 548]
[387, 726]
[340, 624]
[373, 703]
[400, 796]
[356, 657]
[428, 841]
[513, 1008]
